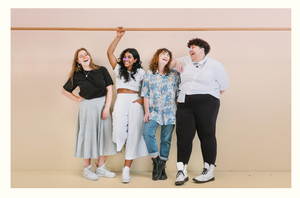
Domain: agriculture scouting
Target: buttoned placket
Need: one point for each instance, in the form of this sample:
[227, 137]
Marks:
[163, 94]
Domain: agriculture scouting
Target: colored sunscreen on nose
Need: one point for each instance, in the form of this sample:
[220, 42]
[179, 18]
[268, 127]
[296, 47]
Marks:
[190, 49]
[166, 55]
[126, 59]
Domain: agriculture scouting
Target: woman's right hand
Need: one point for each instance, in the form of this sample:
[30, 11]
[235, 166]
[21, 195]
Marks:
[79, 99]
[146, 117]
[120, 32]
[179, 66]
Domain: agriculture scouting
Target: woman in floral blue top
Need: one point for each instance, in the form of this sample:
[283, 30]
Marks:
[160, 87]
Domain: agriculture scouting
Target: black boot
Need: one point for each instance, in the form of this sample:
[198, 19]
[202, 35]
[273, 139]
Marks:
[158, 166]
[164, 174]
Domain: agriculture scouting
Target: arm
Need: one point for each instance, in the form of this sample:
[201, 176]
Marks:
[141, 100]
[110, 51]
[178, 64]
[147, 112]
[71, 96]
[222, 91]
[105, 112]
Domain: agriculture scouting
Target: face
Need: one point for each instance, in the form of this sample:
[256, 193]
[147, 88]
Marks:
[128, 60]
[83, 58]
[196, 52]
[164, 58]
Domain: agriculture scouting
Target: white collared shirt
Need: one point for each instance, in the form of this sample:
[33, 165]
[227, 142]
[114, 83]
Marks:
[211, 78]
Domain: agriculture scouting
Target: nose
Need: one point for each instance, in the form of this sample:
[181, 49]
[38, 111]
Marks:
[84, 57]
[190, 49]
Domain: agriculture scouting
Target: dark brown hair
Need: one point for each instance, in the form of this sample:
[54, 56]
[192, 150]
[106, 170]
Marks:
[201, 43]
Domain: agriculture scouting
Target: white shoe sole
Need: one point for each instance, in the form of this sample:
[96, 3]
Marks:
[90, 179]
[106, 176]
[182, 182]
[197, 181]
[125, 181]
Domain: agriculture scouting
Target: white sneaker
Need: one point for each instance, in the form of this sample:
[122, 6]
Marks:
[125, 175]
[102, 171]
[89, 174]
[182, 175]
[206, 175]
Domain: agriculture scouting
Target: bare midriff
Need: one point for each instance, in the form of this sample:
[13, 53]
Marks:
[128, 91]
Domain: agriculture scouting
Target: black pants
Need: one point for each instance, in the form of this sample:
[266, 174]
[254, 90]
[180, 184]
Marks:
[199, 112]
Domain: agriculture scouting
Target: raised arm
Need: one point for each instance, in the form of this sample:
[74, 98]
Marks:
[110, 52]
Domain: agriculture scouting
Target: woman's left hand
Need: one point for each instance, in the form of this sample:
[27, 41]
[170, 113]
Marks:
[140, 101]
[105, 113]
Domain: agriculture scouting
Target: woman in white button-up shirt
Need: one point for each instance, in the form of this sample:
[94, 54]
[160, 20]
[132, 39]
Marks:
[203, 79]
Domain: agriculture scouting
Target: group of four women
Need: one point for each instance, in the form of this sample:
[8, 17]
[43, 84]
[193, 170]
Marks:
[196, 90]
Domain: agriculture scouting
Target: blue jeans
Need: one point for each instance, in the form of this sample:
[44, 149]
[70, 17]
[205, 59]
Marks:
[165, 139]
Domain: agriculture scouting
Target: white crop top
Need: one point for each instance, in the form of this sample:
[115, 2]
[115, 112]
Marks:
[134, 85]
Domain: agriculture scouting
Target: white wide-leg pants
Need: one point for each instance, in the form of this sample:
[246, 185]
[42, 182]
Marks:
[128, 126]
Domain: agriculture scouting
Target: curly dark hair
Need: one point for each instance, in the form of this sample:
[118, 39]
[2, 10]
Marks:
[201, 43]
[123, 72]
[153, 66]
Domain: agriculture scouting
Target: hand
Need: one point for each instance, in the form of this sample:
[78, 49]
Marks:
[105, 113]
[79, 99]
[140, 101]
[179, 66]
[146, 117]
[120, 32]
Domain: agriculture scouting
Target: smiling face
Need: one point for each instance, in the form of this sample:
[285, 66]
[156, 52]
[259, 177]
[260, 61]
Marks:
[196, 53]
[164, 58]
[128, 60]
[83, 58]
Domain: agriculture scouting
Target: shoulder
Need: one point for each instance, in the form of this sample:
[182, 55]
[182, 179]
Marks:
[148, 73]
[141, 71]
[117, 67]
[101, 69]
[173, 73]
[214, 62]
[184, 58]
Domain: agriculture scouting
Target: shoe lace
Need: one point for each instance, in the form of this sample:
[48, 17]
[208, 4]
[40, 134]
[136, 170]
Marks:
[204, 172]
[180, 172]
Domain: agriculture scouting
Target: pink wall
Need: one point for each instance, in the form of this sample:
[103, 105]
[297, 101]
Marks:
[254, 123]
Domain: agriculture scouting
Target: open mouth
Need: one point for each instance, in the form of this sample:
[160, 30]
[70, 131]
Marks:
[86, 60]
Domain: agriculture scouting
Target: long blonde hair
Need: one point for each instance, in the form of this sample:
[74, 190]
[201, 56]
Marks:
[76, 67]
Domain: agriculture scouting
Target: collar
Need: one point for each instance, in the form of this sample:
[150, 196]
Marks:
[159, 73]
[202, 61]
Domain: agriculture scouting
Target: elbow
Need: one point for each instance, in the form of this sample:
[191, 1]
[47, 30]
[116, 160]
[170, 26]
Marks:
[63, 91]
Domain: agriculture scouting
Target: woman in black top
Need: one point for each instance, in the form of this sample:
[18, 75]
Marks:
[94, 129]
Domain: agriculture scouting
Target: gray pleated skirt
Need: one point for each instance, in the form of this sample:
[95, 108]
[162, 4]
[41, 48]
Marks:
[93, 135]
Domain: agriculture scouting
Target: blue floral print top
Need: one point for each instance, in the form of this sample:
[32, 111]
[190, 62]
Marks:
[162, 92]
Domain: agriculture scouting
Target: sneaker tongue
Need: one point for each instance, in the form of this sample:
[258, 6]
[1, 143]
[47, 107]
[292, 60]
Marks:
[179, 166]
[206, 165]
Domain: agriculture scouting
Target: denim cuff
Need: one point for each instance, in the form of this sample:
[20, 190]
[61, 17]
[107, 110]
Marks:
[163, 158]
[153, 154]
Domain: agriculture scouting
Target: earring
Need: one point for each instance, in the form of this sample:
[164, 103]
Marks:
[79, 65]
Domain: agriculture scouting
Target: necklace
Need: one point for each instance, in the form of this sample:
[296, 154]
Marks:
[198, 65]
[86, 74]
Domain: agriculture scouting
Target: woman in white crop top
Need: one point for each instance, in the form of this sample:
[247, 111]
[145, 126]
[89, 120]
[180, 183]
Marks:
[128, 110]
